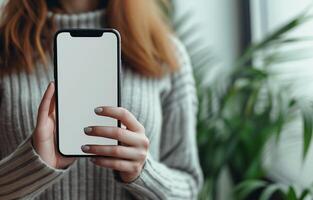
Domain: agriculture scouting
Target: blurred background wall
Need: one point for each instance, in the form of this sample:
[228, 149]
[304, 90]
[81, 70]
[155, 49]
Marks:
[218, 23]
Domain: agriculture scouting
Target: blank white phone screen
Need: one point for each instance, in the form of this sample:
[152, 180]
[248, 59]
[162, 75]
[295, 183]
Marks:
[87, 77]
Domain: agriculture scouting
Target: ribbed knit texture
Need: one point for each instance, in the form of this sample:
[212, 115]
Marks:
[166, 107]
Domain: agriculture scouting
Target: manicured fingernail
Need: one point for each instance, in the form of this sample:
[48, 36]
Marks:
[98, 110]
[87, 130]
[85, 147]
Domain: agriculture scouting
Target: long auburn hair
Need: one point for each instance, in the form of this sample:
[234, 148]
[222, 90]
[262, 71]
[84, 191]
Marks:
[26, 35]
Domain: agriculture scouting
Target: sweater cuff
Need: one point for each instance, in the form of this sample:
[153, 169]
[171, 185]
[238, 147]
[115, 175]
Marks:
[23, 173]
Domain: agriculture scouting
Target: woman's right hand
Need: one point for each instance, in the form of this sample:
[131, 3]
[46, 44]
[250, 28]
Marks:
[43, 138]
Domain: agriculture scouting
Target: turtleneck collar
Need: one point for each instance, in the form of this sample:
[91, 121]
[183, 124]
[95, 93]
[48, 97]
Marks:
[92, 19]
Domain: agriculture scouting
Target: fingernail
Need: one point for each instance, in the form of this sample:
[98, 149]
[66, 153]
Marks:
[87, 130]
[85, 147]
[98, 110]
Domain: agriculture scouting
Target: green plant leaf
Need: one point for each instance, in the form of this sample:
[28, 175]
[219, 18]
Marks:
[269, 191]
[206, 190]
[288, 56]
[291, 194]
[272, 38]
[305, 193]
[247, 187]
[290, 40]
[306, 110]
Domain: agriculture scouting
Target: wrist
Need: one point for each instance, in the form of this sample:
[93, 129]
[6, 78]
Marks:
[129, 178]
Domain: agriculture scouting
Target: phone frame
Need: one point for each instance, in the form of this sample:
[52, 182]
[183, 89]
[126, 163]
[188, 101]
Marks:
[77, 32]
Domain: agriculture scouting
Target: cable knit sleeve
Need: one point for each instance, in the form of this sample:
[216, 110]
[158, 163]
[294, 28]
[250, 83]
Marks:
[23, 174]
[178, 174]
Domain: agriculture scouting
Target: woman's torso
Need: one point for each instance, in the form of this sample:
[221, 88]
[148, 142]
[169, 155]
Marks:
[20, 97]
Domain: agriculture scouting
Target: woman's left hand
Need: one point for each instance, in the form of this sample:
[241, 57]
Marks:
[129, 157]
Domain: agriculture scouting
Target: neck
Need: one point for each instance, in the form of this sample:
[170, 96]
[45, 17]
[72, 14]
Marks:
[74, 6]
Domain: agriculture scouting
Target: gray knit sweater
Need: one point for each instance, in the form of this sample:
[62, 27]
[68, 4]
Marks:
[166, 107]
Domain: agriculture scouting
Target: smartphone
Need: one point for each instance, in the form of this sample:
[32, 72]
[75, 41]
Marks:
[87, 75]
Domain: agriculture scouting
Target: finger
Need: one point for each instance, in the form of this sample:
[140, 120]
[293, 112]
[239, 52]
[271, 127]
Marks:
[120, 152]
[123, 126]
[117, 164]
[44, 107]
[122, 114]
[125, 136]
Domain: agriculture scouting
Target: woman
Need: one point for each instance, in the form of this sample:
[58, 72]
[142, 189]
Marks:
[158, 158]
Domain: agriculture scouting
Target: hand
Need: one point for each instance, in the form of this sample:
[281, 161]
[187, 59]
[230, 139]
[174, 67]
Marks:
[129, 157]
[44, 135]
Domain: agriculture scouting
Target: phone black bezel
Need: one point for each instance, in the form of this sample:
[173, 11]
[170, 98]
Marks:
[84, 33]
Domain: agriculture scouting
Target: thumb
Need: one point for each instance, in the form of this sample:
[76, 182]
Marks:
[45, 105]
[52, 107]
